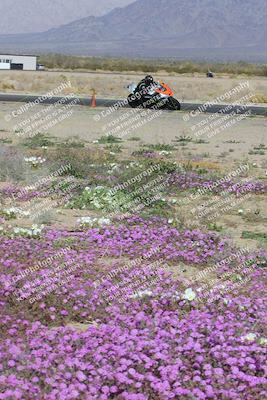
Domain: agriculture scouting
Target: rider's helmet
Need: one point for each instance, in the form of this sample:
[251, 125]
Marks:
[149, 79]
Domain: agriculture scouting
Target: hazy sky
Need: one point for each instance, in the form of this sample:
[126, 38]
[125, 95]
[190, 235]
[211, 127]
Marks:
[23, 16]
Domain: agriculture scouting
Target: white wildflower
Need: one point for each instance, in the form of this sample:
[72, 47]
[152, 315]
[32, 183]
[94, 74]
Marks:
[34, 231]
[142, 293]
[34, 161]
[189, 295]
[250, 337]
[93, 222]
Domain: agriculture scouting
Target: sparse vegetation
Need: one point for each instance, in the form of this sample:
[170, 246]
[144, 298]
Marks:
[215, 227]
[254, 235]
[258, 150]
[80, 159]
[201, 141]
[183, 139]
[39, 140]
[232, 142]
[72, 144]
[120, 64]
[109, 139]
[6, 141]
[134, 139]
[159, 147]
[12, 165]
[114, 148]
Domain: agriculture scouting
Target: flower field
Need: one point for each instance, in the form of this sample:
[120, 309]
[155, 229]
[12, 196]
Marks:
[127, 291]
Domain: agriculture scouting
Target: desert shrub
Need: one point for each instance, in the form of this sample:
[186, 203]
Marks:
[80, 159]
[7, 214]
[72, 144]
[109, 139]
[114, 148]
[144, 153]
[6, 140]
[100, 198]
[7, 86]
[183, 139]
[254, 235]
[12, 165]
[39, 140]
[167, 166]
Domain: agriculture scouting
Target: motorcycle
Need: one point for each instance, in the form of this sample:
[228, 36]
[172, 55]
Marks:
[156, 96]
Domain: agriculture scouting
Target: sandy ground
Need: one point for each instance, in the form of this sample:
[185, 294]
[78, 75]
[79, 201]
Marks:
[114, 85]
[230, 142]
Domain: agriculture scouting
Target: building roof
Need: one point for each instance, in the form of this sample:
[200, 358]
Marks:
[22, 55]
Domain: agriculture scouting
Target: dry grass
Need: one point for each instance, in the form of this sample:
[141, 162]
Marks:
[186, 87]
[260, 98]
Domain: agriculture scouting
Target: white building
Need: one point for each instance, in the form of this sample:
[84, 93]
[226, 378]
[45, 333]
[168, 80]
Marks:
[21, 62]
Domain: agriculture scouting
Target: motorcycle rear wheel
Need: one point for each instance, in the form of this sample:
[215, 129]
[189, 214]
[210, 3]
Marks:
[134, 102]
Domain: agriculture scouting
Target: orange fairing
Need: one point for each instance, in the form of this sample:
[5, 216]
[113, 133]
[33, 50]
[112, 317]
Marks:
[164, 89]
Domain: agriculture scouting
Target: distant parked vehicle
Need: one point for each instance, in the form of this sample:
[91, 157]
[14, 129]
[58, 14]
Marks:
[40, 67]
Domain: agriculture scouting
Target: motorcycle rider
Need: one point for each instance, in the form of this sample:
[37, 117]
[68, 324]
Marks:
[151, 94]
[145, 83]
[144, 88]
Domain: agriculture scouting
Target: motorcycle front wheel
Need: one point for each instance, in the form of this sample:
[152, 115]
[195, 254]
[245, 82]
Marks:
[172, 104]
